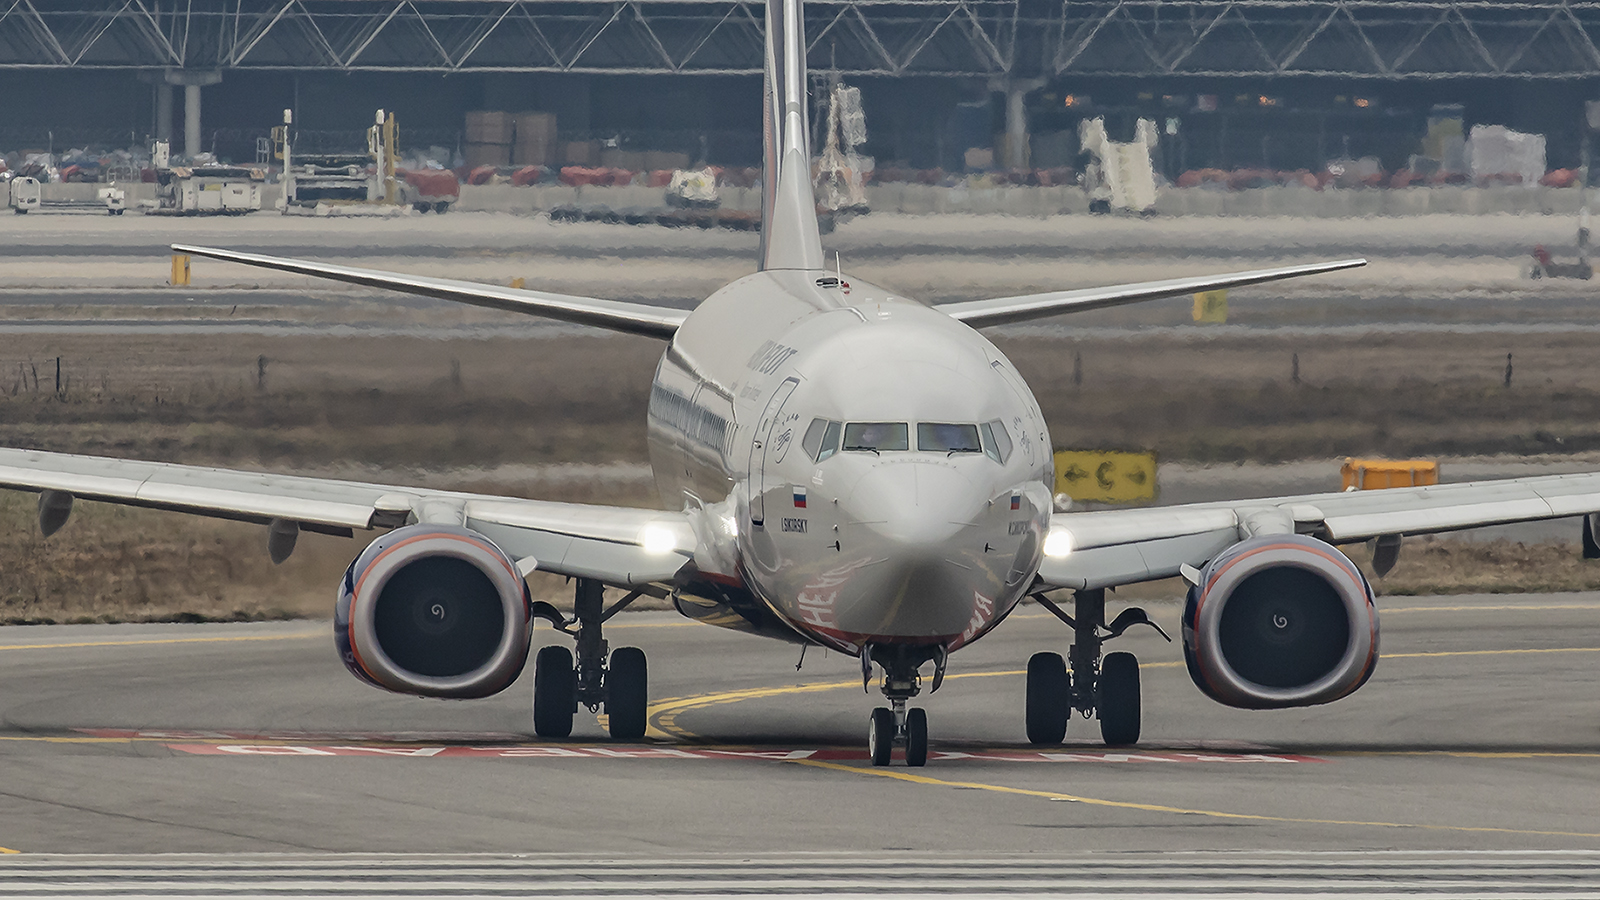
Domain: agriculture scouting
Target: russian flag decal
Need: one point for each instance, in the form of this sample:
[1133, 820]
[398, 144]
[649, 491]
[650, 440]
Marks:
[799, 496]
[1016, 501]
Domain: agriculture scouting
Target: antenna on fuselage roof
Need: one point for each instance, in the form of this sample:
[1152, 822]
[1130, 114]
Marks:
[789, 235]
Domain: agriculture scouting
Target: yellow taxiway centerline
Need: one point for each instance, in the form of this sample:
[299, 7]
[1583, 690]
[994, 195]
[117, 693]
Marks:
[663, 715]
[901, 775]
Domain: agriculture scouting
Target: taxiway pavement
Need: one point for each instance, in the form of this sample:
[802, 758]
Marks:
[1480, 730]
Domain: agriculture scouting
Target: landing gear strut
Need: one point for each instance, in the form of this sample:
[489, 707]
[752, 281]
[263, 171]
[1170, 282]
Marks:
[560, 685]
[895, 725]
[1106, 687]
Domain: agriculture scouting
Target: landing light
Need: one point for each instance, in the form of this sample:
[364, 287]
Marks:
[658, 539]
[1058, 542]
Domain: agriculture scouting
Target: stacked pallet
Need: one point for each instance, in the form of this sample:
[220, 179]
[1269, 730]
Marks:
[497, 138]
[489, 138]
[534, 139]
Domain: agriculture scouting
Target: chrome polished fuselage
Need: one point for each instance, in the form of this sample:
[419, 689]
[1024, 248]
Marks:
[836, 545]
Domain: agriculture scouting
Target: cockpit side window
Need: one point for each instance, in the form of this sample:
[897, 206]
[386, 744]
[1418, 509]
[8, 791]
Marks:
[812, 442]
[821, 440]
[996, 441]
[877, 436]
[942, 437]
[830, 441]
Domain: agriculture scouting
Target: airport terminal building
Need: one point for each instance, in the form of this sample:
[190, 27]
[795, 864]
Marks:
[1276, 84]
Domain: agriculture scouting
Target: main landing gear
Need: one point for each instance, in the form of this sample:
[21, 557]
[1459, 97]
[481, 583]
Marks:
[1108, 688]
[559, 685]
[896, 726]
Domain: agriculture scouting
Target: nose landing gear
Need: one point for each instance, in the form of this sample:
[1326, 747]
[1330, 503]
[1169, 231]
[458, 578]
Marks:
[1108, 688]
[896, 726]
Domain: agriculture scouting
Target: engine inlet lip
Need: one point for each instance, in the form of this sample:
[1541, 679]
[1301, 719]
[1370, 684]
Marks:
[1301, 553]
[463, 546]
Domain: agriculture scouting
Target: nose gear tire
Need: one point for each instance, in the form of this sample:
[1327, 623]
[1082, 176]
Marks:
[916, 737]
[555, 692]
[1049, 703]
[1119, 699]
[880, 736]
[627, 693]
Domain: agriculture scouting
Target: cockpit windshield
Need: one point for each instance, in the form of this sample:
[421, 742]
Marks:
[943, 437]
[825, 437]
[876, 436]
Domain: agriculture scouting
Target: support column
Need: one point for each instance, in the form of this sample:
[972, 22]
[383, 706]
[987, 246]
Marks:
[164, 112]
[192, 81]
[191, 120]
[1016, 146]
[1013, 149]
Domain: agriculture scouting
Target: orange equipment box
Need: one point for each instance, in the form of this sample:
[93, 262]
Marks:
[1372, 474]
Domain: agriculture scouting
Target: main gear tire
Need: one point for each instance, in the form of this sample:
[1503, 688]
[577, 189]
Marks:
[1118, 702]
[880, 736]
[555, 692]
[627, 694]
[1049, 701]
[916, 737]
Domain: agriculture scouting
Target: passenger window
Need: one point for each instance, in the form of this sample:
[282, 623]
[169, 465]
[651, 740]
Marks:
[996, 442]
[876, 436]
[938, 437]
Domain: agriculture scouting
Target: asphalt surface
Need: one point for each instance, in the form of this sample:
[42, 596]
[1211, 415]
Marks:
[1480, 730]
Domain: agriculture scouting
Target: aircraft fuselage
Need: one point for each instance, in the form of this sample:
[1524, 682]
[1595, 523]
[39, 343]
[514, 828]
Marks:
[872, 470]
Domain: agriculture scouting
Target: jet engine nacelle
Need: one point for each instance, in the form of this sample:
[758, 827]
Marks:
[434, 610]
[1279, 621]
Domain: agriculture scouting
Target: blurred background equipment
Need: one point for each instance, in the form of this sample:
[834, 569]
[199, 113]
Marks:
[203, 189]
[26, 196]
[373, 179]
[1119, 175]
[1544, 264]
[1376, 474]
[841, 171]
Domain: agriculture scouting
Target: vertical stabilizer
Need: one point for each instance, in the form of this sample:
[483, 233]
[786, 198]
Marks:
[789, 237]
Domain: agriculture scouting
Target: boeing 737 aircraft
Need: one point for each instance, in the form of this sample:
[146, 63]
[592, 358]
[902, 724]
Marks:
[839, 466]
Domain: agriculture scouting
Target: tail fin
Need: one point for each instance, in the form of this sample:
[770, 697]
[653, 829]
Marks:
[789, 236]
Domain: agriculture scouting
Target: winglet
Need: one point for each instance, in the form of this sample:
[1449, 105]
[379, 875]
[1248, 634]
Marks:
[789, 235]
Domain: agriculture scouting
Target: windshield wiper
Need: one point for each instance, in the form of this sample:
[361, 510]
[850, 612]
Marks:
[873, 449]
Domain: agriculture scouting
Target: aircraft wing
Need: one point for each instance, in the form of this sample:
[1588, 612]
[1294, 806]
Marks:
[615, 315]
[1004, 310]
[616, 545]
[1125, 546]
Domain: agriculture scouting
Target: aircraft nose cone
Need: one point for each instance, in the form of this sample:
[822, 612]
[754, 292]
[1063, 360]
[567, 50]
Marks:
[921, 526]
[914, 507]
